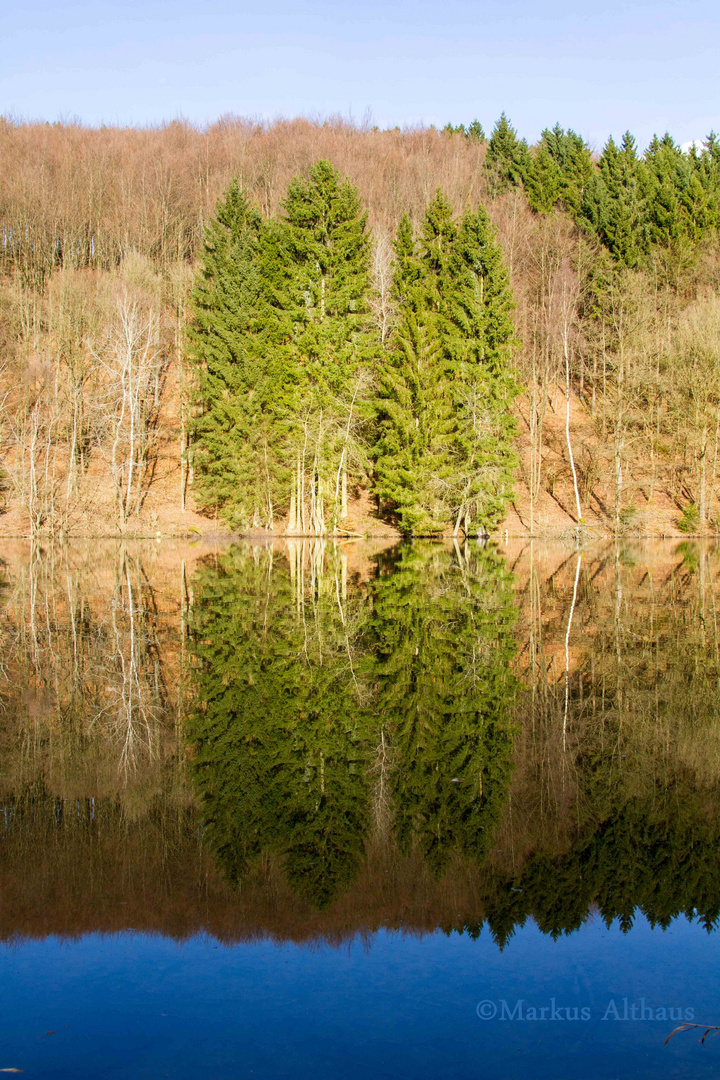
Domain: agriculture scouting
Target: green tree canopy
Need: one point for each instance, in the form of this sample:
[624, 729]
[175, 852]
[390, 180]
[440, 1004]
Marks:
[507, 159]
[444, 451]
[283, 343]
[236, 374]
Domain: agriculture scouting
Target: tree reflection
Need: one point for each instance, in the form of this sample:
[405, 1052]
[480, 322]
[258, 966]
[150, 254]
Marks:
[81, 641]
[415, 737]
[322, 711]
[441, 653]
[281, 732]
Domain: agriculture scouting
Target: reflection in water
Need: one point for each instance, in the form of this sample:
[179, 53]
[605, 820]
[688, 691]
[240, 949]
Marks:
[316, 707]
[313, 740]
[439, 656]
[280, 732]
[634, 787]
[81, 672]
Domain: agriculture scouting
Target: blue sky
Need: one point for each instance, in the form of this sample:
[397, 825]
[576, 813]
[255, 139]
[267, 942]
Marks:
[597, 68]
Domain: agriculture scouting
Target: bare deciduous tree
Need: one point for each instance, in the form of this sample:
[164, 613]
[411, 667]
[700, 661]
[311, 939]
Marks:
[134, 364]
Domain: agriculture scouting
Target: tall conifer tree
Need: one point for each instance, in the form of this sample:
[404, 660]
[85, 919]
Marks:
[543, 180]
[325, 247]
[559, 172]
[444, 451]
[613, 206]
[283, 343]
[227, 342]
[414, 458]
[480, 307]
[415, 468]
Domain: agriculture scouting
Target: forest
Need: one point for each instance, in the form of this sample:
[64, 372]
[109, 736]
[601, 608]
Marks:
[323, 328]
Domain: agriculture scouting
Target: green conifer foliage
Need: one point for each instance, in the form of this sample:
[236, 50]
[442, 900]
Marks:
[666, 179]
[408, 268]
[436, 252]
[696, 209]
[417, 428]
[298, 682]
[559, 172]
[614, 205]
[484, 387]
[324, 245]
[543, 180]
[708, 171]
[475, 132]
[416, 425]
[444, 455]
[234, 430]
[576, 166]
[280, 742]
[453, 129]
[665, 203]
[283, 343]
[507, 159]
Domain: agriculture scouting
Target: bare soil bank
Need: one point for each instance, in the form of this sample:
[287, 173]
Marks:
[649, 508]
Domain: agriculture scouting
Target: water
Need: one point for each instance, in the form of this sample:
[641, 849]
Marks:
[308, 810]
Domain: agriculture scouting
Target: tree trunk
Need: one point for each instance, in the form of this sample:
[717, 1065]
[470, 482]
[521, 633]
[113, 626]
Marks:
[567, 421]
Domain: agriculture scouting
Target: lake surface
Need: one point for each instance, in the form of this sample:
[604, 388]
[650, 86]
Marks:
[317, 810]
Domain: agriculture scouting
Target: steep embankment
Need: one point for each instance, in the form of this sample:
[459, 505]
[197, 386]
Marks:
[648, 507]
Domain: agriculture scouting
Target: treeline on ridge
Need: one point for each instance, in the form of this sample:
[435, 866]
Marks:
[635, 206]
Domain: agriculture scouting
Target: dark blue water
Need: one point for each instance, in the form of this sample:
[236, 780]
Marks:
[134, 1005]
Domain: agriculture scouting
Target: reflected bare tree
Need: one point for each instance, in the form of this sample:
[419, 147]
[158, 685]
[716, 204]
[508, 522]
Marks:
[135, 686]
[82, 642]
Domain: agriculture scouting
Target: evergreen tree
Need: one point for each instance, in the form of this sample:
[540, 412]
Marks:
[593, 208]
[507, 159]
[543, 180]
[559, 172]
[325, 247]
[445, 428]
[482, 342]
[666, 179]
[696, 209]
[708, 171]
[613, 206]
[416, 429]
[577, 167]
[452, 129]
[436, 253]
[475, 132]
[283, 343]
[663, 204]
[413, 451]
[408, 267]
[236, 374]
